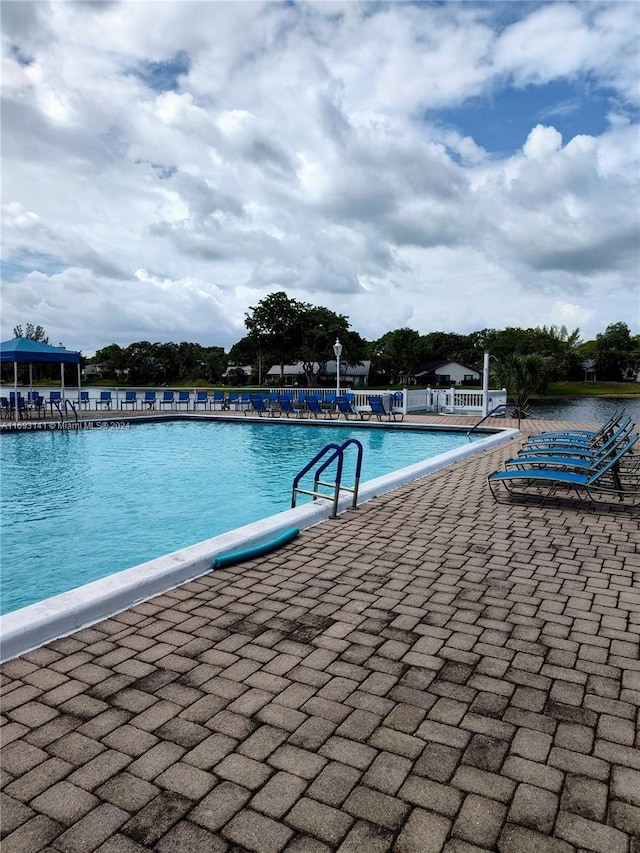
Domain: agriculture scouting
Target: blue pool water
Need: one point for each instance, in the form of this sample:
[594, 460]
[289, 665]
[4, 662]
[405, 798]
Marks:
[76, 506]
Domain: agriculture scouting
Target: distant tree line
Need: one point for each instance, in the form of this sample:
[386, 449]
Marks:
[281, 330]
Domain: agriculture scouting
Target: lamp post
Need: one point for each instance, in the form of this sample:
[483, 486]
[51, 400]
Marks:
[337, 348]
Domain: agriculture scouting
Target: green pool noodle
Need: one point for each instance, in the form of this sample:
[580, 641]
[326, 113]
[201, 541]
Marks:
[248, 553]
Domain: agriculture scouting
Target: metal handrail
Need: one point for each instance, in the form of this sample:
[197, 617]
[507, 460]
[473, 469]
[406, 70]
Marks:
[337, 452]
[490, 414]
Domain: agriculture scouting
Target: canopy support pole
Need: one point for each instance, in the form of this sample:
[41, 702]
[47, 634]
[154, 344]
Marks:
[15, 391]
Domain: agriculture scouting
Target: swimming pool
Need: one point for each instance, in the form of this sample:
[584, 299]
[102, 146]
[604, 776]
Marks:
[86, 470]
[79, 505]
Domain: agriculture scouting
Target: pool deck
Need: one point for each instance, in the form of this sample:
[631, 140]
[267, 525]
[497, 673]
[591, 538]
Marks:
[431, 672]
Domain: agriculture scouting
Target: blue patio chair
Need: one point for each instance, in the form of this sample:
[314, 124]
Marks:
[233, 400]
[149, 400]
[184, 398]
[130, 399]
[21, 404]
[344, 408]
[104, 400]
[167, 399]
[259, 406]
[577, 437]
[548, 481]
[245, 400]
[379, 411]
[5, 407]
[285, 406]
[201, 399]
[84, 400]
[535, 454]
[218, 400]
[36, 404]
[314, 408]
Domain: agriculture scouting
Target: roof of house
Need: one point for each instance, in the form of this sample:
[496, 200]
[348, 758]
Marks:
[431, 367]
[297, 369]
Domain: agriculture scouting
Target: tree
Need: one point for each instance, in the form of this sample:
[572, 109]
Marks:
[396, 353]
[616, 353]
[320, 328]
[111, 359]
[522, 376]
[32, 333]
[275, 325]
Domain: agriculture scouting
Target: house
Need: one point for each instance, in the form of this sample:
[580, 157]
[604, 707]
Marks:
[233, 369]
[352, 375]
[444, 373]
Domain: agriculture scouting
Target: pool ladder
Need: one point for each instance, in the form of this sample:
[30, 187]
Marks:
[330, 454]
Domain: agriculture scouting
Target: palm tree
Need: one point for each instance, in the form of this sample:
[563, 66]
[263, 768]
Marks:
[522, 376]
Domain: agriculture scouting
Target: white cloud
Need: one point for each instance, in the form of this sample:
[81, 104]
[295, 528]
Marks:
[302, 150]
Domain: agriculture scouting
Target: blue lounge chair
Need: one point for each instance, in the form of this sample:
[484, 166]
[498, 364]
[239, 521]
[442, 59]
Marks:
[314, 407]
[285, 406]
[563, 452]
[84, 400]
[379, 411]
[22, 404]
[589, 438]
[184, 399]
[5, 407]
[218, 400]
[259, 406]
[605, 478]
[149, 400]
[201, 399]
[104, 400]
[233, 400]
[167, 399]
[344, 408]
[130, 399]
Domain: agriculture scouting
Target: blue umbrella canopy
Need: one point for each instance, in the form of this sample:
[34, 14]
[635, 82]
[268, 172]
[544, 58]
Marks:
[25, 350]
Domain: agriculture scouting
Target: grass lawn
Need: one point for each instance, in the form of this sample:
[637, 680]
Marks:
[593, 389]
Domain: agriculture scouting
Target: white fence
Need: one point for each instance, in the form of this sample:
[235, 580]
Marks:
[438, 400]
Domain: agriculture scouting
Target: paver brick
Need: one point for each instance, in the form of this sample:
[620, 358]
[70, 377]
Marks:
[423, 832]
[626, 818]
[256, 832]
[365, 836]
[64, 803]
[521, 839]
[387, 773]
[350, 752]
[376, 807]
[334, 784]
[534, 807]
[156, 818]
[219, 806]
[319, 820]
[625, 785]
[279, 794]
[127, 792]
[479, 820]
[187, 836]
[590, 834]
[92, 830]
[244, 771]
[431, 795]
[438, 762]
[33, 835]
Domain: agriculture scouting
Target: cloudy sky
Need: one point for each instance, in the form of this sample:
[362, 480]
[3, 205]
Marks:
[442, 166]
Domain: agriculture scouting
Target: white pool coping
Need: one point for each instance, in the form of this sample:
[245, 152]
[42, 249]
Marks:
[33, 626]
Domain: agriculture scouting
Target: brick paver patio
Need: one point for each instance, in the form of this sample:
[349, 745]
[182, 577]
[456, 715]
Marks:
[431, 672]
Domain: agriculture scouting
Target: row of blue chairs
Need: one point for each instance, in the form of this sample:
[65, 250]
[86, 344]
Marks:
[586, 463]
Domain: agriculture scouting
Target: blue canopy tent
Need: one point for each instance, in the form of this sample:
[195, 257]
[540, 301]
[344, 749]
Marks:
[24, 350]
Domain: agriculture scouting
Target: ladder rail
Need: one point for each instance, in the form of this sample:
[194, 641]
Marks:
[333, 452]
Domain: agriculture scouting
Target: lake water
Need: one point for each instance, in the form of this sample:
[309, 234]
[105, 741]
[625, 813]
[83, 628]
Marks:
[586, 409]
